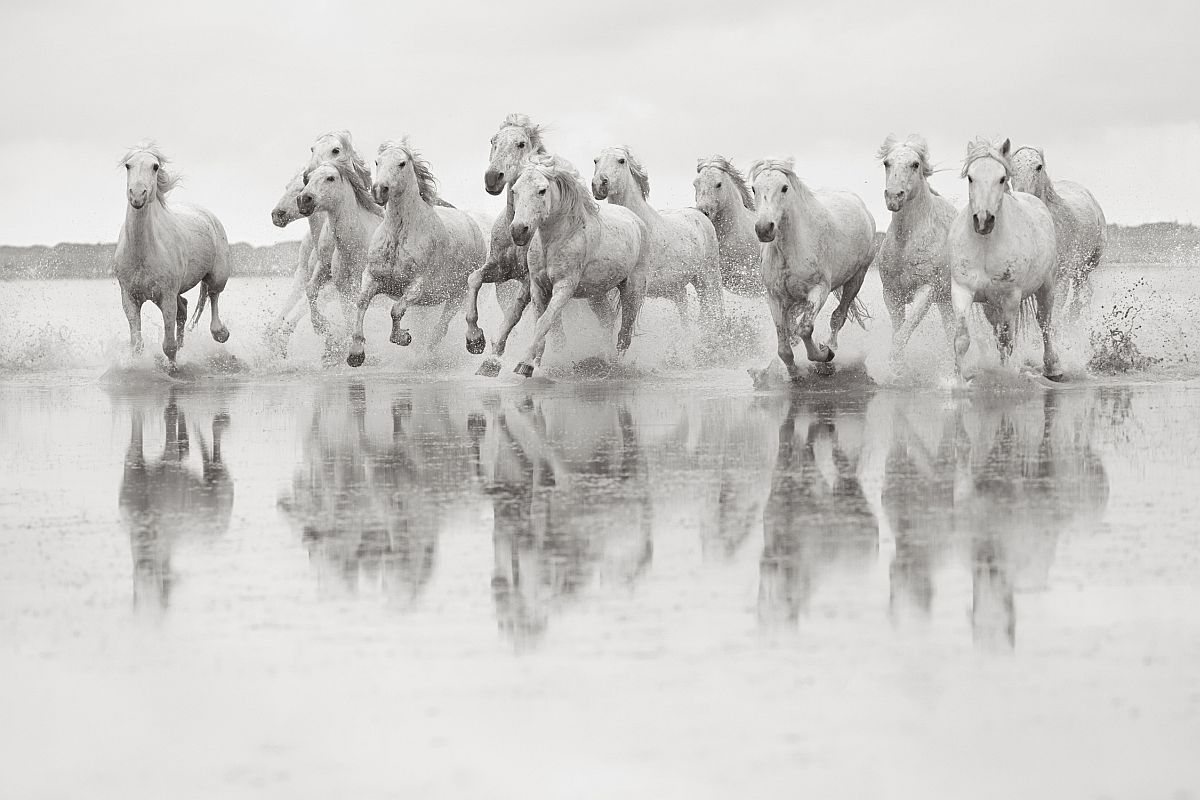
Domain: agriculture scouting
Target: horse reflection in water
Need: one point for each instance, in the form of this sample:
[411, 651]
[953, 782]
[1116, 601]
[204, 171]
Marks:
[571, 505]
[369, 508]
[1024, 472]
[167, 500]
[817, 516]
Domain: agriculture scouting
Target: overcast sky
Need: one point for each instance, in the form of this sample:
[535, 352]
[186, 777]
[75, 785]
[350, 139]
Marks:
[236, 92]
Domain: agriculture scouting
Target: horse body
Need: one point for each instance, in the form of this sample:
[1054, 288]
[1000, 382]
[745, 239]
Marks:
[587, 249]
[722, 196]
[283, 325]
[164, 251]
[1001, 250]
[422, 254]
[1079, 225]
[912, 259]
[814, 243]
[682, 244]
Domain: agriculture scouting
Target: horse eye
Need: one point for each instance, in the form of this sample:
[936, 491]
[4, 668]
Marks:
[129, 166]
[1039, 167]
[1003, 178]
[520, 145]
[402, 164]
[887, 165]
[337, 151]
[541, 191]
[329, 179]
[718, 184]
[784, 190]
[620, 161]
[970, 179]
[915, 164]
[156, 167]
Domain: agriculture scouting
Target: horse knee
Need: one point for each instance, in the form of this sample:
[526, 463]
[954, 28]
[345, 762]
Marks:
[805, 331]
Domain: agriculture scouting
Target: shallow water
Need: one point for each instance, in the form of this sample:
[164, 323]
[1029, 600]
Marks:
[405, 580]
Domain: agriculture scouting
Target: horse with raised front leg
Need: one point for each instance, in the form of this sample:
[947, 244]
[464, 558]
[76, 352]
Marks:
[814, 244]
[163, 251]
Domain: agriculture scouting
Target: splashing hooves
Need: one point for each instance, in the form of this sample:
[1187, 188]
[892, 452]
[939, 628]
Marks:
[524, 370]
[489, 368]
[402, 338]
[475, 346]
[356, 359]
[1057, 377]
[221, 335]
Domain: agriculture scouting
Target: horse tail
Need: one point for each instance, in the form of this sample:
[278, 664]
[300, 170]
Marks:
[199, 305]
[1026, 315]
[856, 312]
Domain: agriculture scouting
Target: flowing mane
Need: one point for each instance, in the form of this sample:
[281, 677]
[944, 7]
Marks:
[735, 175]
[534, 132]
[166, 180]
[635, 167]
[785, 165]
[426, 183]
[353, 168]
[982, 148]
[560, 172]
[915, 142]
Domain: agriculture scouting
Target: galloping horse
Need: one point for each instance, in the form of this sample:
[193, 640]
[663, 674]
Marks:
[723, 197]
[1078, 224]
[163, 251]
[286, 211]
[814, 243]
[421, 254]
[912, 258]
[1001, 250]
[683, 246]
[587, 249]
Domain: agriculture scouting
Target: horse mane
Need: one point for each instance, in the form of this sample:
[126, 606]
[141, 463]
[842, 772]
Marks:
[735, 175]
[358, 174]
[166, 180]
[563, 174]
[533, 131]
[361, 194]
[915, 142]
[785, 165]
[640, 176]
[981, 148]
[426, 183]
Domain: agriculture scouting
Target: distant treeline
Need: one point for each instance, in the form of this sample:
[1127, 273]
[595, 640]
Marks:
[1152, 243]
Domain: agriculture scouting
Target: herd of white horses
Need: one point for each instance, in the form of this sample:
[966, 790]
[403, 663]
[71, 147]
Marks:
[1022, 243]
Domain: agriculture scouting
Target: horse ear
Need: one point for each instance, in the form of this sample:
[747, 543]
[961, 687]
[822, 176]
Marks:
[699, 164]
[1006, 148]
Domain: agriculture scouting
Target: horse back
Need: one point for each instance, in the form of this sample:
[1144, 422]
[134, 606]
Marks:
[206, 247]
[620, 248]
[850, 237]
[1084, 228]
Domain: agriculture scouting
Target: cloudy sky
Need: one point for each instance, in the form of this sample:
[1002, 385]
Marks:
[236, 92]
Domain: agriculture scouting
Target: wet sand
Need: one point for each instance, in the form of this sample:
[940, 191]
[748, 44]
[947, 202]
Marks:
[278, 578]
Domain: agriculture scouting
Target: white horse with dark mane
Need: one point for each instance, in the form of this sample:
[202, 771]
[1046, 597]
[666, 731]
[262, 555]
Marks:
[422, 253]
[586, 249]
[723, 196]
[683, 245]
[163, 251]
[912, 258]
[1078, 222]
[1002, 251]
[814, 244]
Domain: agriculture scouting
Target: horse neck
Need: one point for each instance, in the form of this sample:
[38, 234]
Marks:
[563, 223]
[631, 198]
[408, 210]
[733, 217]
[915, 212]
[1046, 189]
[142, 224]
[804, 213]
[344, 221]
[315, 223]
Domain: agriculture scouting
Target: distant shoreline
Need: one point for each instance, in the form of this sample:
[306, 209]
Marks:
[1157, 243]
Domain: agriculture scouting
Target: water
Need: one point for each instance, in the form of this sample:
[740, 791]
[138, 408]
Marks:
[405, 580]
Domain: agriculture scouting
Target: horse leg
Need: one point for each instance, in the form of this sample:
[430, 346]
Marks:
[1004, 324]
[549, 306]
[783, 336]
[849, 294]
[633, 294]
[488, 273]
[215, 326]
[961, 297]
[358, 341]
[133, 314]
[180, 319]
[915, 314]
[170, 309]
[401, 336]
[449, 309]
[896, 311]
[817, 296]
[321, 275]
[1051, 366]
[605, 312]
[680, 299]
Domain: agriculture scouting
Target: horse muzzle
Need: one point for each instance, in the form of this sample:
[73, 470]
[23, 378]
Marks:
[138, 200]
[493, 181]
[521, 233]
[380, 193]
[894, 200]
[306, 205]
[765, 231]
[279, 217]
[984, 223]
[600, 188]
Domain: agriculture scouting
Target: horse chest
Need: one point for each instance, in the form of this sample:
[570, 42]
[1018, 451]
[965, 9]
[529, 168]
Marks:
[785, 277]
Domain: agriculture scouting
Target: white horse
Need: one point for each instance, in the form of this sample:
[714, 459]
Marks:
[163, 251]
[421, 254]
[1001, 251]
[723, 197]
[683, 245]
[286, 211]
[1078, 222]
[335, 189]
[814, 243]
[587, 250]
[912, 258]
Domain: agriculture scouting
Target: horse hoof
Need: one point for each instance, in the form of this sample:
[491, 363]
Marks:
[402, 338]
[221, 335]
[829, 354]
[524, 370]
[489, 368]
[475, 346]
[1057, 377]
[356, 359]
